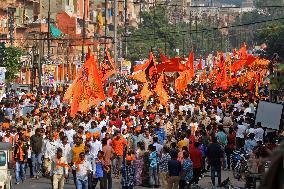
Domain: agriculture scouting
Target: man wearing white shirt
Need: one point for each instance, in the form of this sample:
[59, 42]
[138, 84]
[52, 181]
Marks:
[259, 132]
[49, 151]
[96, 146]
[66, 148]
[69, 132]
[240, 135]
[83, 169]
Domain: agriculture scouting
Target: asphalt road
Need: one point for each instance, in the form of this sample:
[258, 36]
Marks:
[44, 183]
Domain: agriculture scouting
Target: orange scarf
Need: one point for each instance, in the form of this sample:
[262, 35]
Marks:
[77, 163]
[60, 164]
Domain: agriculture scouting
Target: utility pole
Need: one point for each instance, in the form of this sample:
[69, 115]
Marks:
[84, 32]
[190, 25]
[11, 21]
[48, 31]
[125, 27]
[105, 26]
[165, 45]
[115, 32]
[154, 21]
[183, 46]
[140, 17]
[33, 67]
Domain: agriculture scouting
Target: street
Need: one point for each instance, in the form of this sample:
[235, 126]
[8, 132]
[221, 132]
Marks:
[44, 183]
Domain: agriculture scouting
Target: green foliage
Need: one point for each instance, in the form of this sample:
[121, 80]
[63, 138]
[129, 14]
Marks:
[12, 62]
[273, 36]
[155, 32]
[262, 25]
[277, 79]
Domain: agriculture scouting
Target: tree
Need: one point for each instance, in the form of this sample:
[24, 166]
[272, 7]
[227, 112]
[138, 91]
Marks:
[155, 32]
[12, 56]
[255, 27]
[273, 37]
[277, 79]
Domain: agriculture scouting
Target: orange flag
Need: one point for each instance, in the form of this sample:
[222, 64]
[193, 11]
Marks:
[110, 60]
[201, 98]
[243, 51]
[256, 89]
[145, 92]
[199, 66]
[110, 90]
[182, 81]
[140, 76]
[86, 88]
[161, 92]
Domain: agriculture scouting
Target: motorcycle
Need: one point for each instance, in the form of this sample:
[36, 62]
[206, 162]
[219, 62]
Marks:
[239, 164]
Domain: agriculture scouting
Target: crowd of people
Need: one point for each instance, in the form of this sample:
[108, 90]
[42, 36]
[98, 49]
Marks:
[141, 143]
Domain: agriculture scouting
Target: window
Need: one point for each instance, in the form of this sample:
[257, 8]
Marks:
[2, 158]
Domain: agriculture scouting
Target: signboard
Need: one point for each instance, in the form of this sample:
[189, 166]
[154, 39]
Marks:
[125, 67]
[269, 114]
[2, 75]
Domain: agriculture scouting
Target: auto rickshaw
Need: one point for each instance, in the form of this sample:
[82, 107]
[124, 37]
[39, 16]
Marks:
[5, 165]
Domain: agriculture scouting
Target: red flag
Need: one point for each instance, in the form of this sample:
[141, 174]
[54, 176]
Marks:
[250, 85]
[190, 60]
[89, 53]
[163, 57]
[250, 59]
[110, 90]
[221, 60]
[199, 66]
[173, 65]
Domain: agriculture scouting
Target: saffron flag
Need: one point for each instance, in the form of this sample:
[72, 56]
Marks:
[140, 76]
[182, 81]
[163, 57]
[161, 92]
[256, 89]
[151, 68]
[145, 92]
[87, 85]
[190, 60]
[199, 66]
[110, 90]
[173, 65]
[201, 98]
[250, 60]
[243, 51]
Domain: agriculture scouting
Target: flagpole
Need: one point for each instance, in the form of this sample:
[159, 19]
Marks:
[84, 32]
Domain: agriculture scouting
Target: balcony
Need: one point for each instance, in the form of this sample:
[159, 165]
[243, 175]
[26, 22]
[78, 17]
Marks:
[4, 4]
[38, 28]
